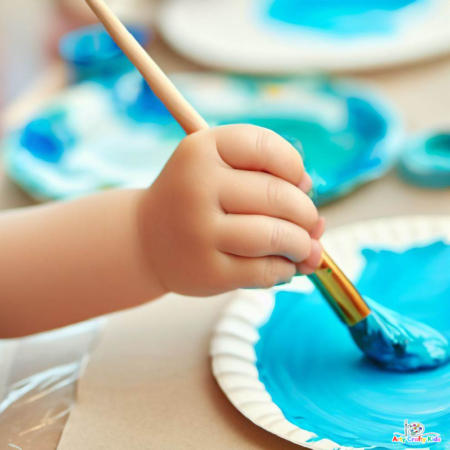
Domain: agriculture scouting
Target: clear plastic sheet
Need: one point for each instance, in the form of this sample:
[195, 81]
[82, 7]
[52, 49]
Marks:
[38, 379]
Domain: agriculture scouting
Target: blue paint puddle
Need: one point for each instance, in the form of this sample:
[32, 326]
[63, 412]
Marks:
[340, 17]
[321, 381]
[48, 136]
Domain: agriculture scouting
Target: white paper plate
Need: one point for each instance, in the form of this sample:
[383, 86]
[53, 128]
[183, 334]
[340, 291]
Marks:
[233, 344]
[235, 35]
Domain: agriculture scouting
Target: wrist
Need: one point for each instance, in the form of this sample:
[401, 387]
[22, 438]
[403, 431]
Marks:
[144, 238]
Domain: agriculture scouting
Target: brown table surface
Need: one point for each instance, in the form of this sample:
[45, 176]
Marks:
[149, 383]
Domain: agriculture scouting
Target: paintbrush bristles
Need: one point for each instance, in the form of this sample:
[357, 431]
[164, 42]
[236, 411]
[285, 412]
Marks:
[183, 112]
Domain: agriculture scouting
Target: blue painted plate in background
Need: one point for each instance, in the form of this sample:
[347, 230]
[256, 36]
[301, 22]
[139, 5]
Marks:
[349, 134]
[298, 36]
[91, 138]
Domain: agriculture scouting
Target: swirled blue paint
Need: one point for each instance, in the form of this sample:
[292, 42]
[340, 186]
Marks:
[323, 383]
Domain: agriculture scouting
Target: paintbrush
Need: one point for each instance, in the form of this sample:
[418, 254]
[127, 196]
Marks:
[392, 341]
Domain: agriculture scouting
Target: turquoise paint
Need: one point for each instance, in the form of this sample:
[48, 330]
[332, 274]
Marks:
[49, 136]
[426, 161]
[322, 383]
[333, 157]
[142, 105]
[349, 134]
[340, 17]
[91, 53]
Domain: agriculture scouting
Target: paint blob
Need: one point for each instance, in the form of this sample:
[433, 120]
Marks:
[397, 342]
[425, 161]
[340, 17]
[311, 367]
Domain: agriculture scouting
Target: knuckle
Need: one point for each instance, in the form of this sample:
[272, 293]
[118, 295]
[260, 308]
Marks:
[277, 238]
[264, 139]
[269, 274]
[276, 192]
[193, 144]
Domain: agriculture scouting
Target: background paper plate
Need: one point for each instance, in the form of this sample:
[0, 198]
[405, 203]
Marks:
[240, 35]
[233, 343]
[349, 133]
[100, 138]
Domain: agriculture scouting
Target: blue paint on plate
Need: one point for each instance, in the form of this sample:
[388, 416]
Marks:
[48, 136]
[124, 135]
[91, 53]
[340, 17]
[322, 382]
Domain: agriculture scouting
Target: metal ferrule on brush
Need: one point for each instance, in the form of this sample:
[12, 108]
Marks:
[339, 292]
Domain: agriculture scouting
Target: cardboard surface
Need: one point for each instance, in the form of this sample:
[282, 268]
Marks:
[149, 385]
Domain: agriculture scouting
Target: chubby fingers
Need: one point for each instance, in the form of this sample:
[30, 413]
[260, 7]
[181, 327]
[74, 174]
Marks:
[310, 264]
[257, 236]
[272, 227]
[263, 272]
[306, 184]
[263, 194]
[248, 147]
[318, 231]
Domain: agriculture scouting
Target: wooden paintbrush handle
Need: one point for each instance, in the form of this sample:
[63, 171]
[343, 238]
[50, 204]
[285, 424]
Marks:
[183, 112]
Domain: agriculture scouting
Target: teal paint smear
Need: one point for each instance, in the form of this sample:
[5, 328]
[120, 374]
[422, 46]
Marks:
[426, 161]
[333, 157]
[340, 17]
[318, 377]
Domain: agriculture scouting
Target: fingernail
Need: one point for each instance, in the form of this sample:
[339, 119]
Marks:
[319, 229]
[305, 184]
[310, 266]
[305, 269]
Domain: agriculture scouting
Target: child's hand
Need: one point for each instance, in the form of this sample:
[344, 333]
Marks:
[230, 210]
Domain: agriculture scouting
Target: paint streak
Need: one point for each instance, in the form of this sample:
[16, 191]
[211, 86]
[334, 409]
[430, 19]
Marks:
[322, 383]
[341, 17]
